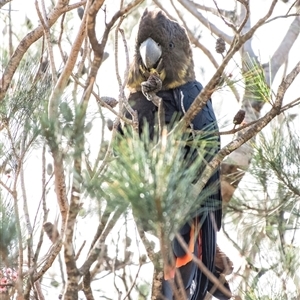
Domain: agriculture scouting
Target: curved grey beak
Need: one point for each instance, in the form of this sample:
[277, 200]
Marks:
[150, 52]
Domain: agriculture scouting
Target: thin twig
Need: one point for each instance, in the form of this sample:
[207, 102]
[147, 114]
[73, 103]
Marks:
[122, 99]
[207, 91]
[25, 202]
[3, 2]
[60, 37]
[293, 4]
[108, 154]
[51, 255]
[188, 5]
[10, 34]
[38, 288]
[6, 187]
[28, 40]
[220, 14]
[225, 13]
[72, 288]
[245, 20]
[98, 249]
[126, 72]
[45, 210]
[199, 45]
[45, 24]
[102, 103]
[133, 283]
[203, 268]
[40, 67]
[20, 244]
[291, 104]
[104, 219]
[83, 58]
[80, 249]
[282, 17]
[61, 269]
[250, 133]
[121, 90]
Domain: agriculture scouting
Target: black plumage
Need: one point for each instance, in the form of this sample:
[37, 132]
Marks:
[163, 48]
[176, 55]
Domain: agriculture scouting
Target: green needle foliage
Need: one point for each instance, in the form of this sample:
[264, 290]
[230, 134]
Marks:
[8, 231]
[155, 180]
[264, 217]
[255, 83]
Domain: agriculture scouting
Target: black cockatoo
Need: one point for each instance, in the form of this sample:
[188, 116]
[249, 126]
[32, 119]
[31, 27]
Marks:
[163, 47]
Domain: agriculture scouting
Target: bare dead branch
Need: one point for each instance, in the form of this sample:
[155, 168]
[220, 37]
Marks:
[231, 131]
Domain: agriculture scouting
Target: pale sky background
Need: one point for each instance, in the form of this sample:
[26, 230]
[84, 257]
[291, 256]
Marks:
[266, 39]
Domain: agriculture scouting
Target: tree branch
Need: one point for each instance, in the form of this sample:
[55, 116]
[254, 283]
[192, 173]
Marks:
[3, 2]
[251, 132]
[49, 261]
[229, 14]
[280, 55]
[98, 248]
[217, 283]
[24, 45]
[207, 91]
[189, 5]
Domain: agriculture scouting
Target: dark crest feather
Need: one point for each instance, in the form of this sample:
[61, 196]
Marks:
[178, 65]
